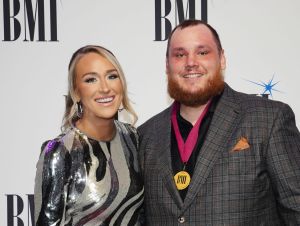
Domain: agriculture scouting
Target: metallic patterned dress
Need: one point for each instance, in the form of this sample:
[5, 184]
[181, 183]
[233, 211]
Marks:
[82, 181]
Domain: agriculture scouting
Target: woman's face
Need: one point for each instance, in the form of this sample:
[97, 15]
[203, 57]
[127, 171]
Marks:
[98, 87]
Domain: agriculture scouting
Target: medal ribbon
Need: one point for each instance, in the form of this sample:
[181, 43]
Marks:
[186, 148]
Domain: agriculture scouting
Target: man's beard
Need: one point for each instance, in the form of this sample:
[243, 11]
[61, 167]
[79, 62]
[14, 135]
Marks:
[214, 87]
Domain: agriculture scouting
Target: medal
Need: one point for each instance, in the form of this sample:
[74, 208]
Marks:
[182, 180]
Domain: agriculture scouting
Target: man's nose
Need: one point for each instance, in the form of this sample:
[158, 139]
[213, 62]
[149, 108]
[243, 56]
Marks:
[191, 62]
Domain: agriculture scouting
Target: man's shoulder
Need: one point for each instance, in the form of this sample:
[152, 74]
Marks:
[161, 117]
[254, 102]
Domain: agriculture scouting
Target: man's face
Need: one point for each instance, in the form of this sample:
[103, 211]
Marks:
[194, 66]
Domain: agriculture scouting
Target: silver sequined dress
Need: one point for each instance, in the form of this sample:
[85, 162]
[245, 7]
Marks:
[82, 181]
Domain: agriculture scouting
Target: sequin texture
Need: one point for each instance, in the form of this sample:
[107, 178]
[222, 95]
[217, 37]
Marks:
[82, 181]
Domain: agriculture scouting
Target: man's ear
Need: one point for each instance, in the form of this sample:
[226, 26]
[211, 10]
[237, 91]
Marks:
[223, 60]
[167, 66]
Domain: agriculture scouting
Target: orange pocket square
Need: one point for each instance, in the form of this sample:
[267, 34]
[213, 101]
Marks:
[241, 145]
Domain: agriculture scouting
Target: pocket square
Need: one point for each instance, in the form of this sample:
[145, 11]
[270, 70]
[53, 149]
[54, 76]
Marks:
[241, 145]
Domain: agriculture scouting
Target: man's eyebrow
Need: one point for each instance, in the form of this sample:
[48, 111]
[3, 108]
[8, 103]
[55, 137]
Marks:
[178, 49]
[202, 46]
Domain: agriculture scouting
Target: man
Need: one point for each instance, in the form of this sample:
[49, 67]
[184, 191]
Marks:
[217, 156]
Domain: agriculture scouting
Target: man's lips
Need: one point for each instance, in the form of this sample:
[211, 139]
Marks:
[105, 99]
[192, 75]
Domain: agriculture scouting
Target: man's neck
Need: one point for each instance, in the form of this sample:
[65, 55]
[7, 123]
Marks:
[191, 114]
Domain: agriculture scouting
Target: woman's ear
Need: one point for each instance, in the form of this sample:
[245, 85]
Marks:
[77, 95]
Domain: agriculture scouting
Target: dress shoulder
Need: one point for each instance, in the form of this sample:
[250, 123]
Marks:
[129, 131]
[63, 141]
[125, 127]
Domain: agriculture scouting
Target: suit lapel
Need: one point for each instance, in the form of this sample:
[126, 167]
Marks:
[164, 162]
[225, 119]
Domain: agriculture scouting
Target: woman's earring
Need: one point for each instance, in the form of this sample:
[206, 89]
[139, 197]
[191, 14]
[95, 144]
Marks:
[121, 108]
[79, 109]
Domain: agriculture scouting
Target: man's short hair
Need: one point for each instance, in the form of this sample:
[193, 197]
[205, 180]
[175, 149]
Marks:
[193, 22]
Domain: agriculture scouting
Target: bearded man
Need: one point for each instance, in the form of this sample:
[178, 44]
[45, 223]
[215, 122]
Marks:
[217, 156]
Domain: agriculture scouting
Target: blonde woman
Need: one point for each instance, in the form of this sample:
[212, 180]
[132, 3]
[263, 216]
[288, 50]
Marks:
[89, 175]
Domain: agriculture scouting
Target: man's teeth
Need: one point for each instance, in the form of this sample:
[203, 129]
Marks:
[192, 75]
[105, 100]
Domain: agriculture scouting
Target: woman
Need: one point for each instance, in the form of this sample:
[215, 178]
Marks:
[89, 175]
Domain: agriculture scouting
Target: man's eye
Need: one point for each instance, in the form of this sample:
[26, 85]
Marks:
[179, 55]
[113, 76]
[203, 53]
[90, 80]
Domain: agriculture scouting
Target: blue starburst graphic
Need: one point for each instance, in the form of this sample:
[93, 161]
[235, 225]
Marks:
[268, 87]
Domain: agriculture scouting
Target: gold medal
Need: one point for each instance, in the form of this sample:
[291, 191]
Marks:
[182, 180]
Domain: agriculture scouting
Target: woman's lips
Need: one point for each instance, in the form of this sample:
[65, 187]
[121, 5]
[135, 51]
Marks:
[104, 100]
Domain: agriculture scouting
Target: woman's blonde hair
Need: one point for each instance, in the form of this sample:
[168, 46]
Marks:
[71, 114]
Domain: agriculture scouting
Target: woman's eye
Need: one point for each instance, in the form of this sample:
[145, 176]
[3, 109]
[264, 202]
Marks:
[113, 76]
[90, 80]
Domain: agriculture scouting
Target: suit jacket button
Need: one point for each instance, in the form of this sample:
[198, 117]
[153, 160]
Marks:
[181, 220]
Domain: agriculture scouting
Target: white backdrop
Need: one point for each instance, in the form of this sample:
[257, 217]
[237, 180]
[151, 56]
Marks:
[260, 38]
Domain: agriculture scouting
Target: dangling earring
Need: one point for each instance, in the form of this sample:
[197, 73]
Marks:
[121, 108]
[79, 109]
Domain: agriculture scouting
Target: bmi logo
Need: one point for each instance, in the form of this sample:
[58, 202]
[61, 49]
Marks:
[169, 13]
[30, 20]
[20, 210]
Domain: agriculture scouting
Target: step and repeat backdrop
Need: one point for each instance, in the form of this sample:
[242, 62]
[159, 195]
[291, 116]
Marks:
[38, 37]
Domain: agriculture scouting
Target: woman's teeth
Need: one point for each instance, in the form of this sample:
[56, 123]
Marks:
[105, 100]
